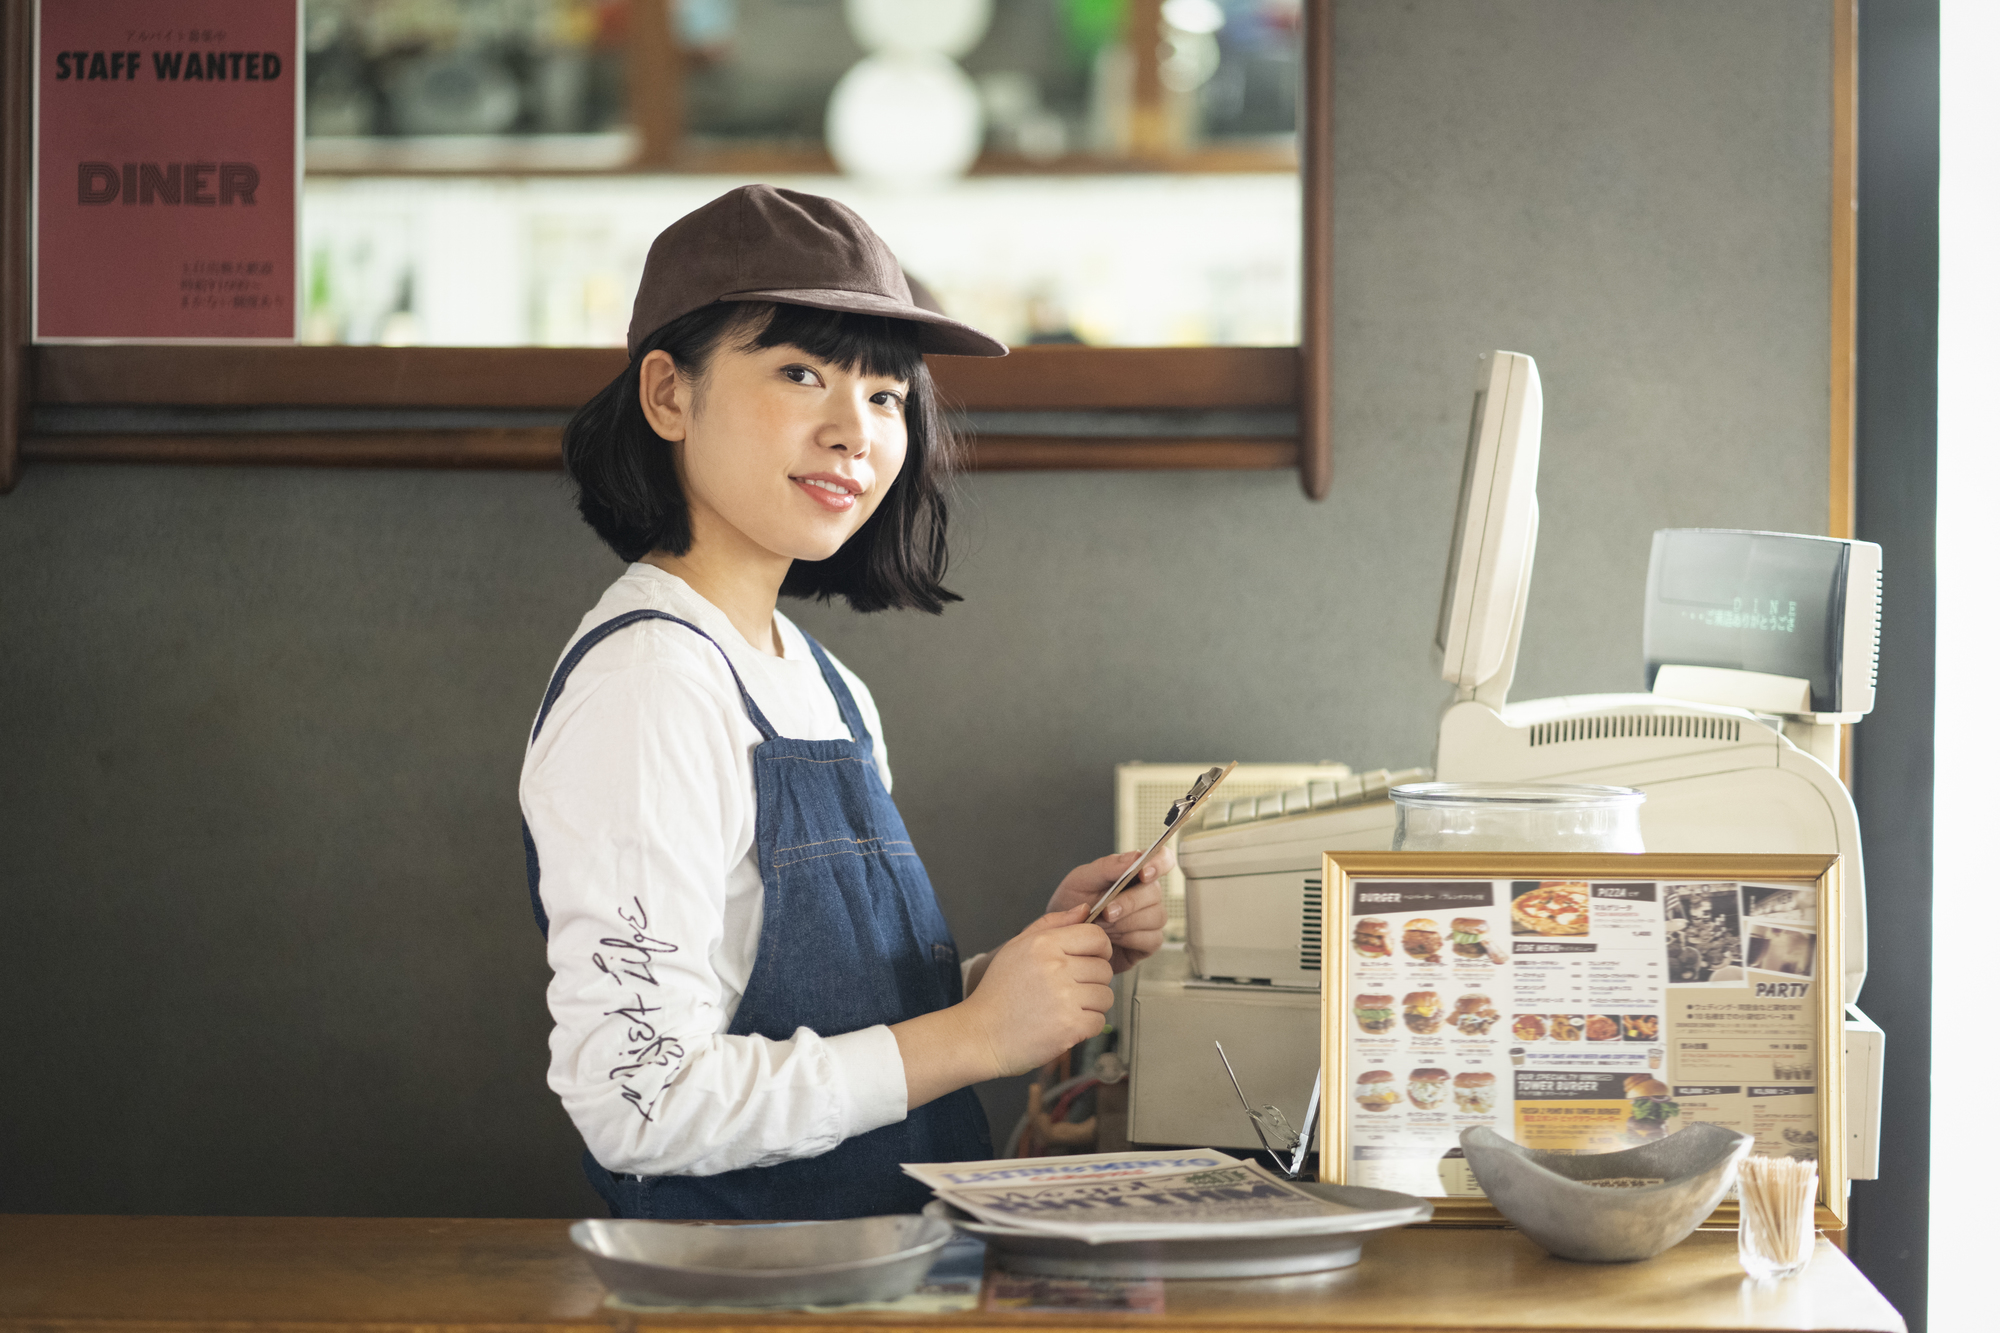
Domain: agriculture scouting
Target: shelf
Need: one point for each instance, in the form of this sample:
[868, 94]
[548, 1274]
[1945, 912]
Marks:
[473, 155]
[622, 153]
[1040, 408]
[561, 378]
[539, 449]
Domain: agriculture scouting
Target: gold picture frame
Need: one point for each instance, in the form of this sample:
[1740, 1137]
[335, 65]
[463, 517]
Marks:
[1695, 885]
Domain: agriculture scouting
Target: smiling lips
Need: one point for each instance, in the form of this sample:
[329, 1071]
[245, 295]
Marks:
[836, 493]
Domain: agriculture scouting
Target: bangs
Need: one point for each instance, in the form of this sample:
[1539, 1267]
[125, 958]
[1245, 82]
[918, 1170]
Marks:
[867, 344]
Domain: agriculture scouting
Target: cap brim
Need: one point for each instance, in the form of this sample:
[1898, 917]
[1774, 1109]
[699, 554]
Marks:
[935, 333]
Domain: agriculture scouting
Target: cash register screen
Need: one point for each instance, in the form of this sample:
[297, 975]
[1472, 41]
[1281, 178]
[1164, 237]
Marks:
[1748, 601]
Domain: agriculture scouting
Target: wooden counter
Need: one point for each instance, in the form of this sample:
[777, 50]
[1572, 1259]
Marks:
[313, 1275]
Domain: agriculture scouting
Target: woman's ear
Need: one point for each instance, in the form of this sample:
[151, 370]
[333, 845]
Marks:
[665, 396]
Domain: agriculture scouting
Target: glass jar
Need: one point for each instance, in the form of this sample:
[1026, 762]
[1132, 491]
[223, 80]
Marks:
[1516, 817]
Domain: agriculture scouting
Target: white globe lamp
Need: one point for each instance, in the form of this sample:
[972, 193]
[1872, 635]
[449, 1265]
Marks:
[906, 115]
[945, 27]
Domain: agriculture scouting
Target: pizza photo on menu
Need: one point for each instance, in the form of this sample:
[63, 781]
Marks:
[1552, 908]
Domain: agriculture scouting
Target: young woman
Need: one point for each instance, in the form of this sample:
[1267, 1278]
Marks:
[759, 1011]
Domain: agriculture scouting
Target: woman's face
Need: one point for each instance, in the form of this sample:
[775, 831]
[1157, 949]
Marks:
[780, 448]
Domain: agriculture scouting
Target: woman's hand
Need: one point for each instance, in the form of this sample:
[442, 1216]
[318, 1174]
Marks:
[1136, 920]
[1043, 991]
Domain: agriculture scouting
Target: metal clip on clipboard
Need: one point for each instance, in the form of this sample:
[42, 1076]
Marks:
[1177, 817]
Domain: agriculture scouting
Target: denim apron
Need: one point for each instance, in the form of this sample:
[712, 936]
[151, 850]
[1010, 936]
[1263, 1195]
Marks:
[852, 938]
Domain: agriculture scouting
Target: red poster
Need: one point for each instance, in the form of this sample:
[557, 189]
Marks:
[167, 170]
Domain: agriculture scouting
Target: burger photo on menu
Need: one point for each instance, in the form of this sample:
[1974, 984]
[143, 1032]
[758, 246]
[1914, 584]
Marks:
[1473, 1015]
[1371, 937]
[1565, 1027]
[1421, 940]
[1552, 908]
[1468, 939]
[1429, 1089]
[1651, 1108]
[1375, 1014]
[1475, 1093]
[1375, 1090]
[1530, 1027]
[1423, 1011]
[1601, 1027]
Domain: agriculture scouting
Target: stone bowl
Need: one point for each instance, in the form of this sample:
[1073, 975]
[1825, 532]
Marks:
[1542, 1192]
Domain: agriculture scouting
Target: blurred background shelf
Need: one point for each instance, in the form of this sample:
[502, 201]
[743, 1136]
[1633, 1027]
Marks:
[484, 177]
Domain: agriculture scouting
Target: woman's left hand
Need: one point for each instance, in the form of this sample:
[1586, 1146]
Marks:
[1136, 920]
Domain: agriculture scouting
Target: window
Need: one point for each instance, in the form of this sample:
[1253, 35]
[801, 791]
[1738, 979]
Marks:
[483, 177]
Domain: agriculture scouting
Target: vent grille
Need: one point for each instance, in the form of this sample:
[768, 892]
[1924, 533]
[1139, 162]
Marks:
[1309, 928]
[1687, 726]
[1875, 639]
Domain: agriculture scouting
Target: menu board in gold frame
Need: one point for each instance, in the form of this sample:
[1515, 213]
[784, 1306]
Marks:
[1580, 1003]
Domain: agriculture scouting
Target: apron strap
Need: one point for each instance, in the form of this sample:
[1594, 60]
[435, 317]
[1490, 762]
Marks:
[612, 626]
[561, 678]
[850, 712]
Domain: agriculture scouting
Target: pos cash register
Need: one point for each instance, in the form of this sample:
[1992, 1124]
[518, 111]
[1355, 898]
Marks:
[1758, 647]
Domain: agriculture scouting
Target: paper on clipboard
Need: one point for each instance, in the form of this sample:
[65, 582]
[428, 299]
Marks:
[1183, 810]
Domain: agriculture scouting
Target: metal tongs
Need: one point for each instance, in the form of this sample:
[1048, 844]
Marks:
[1271, 1119]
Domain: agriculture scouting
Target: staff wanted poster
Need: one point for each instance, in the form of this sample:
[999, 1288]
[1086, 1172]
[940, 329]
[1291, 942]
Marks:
[166, 170]
[1574, 1017]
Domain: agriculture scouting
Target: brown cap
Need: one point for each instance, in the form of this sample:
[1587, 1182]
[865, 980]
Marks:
[762, 243]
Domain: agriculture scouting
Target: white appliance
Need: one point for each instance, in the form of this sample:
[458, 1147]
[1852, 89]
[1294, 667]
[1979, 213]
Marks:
[1772, 635]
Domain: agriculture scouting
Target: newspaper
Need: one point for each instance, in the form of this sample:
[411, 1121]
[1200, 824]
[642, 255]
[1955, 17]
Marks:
[1182, 1195]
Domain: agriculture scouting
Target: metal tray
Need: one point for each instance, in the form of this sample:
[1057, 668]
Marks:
[1217, 1256]
[781, 1263]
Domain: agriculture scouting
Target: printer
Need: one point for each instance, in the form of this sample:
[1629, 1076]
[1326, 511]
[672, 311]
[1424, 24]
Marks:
[1758, 648]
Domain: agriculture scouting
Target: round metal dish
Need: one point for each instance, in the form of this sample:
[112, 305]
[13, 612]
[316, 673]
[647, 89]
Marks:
[1221, 1255]
[783, 1263]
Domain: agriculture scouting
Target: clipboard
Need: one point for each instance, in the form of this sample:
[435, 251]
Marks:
[1177, 817]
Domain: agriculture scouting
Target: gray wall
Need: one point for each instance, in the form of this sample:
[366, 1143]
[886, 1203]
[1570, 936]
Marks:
[267, 945]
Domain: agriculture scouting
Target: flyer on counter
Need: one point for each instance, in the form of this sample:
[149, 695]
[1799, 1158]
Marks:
[1582, 1015]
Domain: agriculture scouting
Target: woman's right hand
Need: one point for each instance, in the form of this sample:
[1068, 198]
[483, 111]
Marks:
[1043, 991]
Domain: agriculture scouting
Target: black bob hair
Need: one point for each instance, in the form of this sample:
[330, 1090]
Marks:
[629, 492]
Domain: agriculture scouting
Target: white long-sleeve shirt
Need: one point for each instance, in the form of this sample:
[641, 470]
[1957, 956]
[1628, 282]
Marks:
[640, 798]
